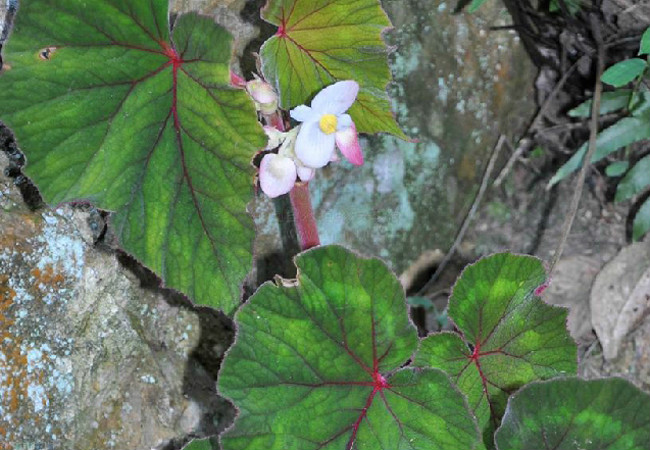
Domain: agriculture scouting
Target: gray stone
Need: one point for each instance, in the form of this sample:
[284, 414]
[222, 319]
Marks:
[88, 358]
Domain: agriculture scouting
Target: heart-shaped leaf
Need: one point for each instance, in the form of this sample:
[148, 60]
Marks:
[574, 414]
[316, 365]
[320, 42]
[509, 336]
[111, 107]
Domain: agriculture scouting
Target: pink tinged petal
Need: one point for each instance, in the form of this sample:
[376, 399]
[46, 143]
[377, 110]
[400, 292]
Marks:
[336, 98]
[277, 175]
[348, 142]
[236, 80]
[303, 113]
[261, 91]
[306, 173]
[313, 147]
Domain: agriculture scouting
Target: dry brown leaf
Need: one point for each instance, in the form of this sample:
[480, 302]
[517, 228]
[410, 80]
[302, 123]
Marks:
[620, 296]
[571, 287]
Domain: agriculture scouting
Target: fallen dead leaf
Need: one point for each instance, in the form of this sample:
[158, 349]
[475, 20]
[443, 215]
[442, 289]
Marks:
[571, 288]
[620, 296]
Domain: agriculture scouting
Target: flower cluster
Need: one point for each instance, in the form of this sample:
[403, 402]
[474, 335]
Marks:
[312, 144]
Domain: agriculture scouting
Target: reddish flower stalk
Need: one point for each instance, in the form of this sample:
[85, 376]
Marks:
[303, 213]
[303, 216]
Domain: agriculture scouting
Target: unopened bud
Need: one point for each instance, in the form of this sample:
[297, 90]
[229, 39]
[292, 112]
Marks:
[266, 100]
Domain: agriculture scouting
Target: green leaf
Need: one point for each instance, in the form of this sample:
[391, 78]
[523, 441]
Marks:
[509, 337]
[574, 414]
[199, 444]
[476, 4]
[616, 169]
[635, 181]
[323, 41]
[142, 122]
[641, 223]
[624, 72]
[624, 132]
[317, 365]
[644, 49]
[610, 102]
[572, 5]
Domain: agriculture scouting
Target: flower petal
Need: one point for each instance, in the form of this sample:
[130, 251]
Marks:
[348, 142]
[303, 113]
[344, 121]
[335, 98]
[277, 175]
[313, 147]
[305, 173]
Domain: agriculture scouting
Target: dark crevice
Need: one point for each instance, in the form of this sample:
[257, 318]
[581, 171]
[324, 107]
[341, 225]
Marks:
[200, 380]
[28, 190]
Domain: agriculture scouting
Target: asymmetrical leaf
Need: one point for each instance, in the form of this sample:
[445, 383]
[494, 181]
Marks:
[624, 72]
[509, 337]
[610, 102]
[575, 414]
[316, 365]
[624, 132]
[636, 180]
[111, 107]
[644, 48]
[320, 42]
[641, 223]
[616, 169]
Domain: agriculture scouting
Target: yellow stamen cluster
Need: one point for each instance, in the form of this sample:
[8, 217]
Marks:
[328, 123]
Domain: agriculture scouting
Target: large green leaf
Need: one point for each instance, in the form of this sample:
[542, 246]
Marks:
[624, 132]
[636, 180]
[316, 365]
[509, 337]
[574, 414]
[111, 107]
[320, 42]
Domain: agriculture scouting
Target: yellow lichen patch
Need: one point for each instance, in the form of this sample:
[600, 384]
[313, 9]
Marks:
[19, 381]
[46, 278]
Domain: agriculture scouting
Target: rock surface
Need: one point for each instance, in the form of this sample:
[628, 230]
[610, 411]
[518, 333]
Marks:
[457, 84]
[88, 358]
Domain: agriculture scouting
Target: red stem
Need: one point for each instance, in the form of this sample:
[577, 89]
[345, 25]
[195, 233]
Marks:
[303, 216]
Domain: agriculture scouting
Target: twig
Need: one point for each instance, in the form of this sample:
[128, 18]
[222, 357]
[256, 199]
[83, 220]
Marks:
[593, 134]
[541, 113]
[516, 154]
[469, 217]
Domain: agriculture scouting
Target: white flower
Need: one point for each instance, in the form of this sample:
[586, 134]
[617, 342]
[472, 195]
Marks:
[277, 174]
[325, 124]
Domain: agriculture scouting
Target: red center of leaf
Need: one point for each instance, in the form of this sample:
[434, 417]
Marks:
[380, 382]
[176, 62]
